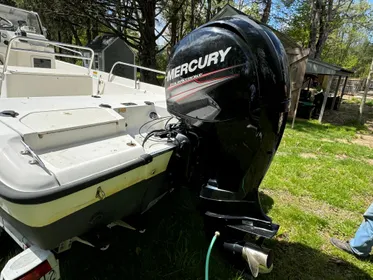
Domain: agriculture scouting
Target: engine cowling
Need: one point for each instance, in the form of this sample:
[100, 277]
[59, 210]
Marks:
[229, 80]
[228, 83]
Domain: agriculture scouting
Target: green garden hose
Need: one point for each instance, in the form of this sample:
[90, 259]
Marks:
[209, 253]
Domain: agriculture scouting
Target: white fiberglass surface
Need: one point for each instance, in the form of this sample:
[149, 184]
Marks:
[46, 121]
[73, 163]
[75, 138]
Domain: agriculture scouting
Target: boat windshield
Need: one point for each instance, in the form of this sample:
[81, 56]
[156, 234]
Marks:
[12, 19]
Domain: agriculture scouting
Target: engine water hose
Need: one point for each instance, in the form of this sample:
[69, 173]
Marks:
[216, 235]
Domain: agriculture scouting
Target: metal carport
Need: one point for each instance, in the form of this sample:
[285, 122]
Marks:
[317, 67]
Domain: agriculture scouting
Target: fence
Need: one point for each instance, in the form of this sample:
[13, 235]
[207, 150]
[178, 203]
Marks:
[353, 85]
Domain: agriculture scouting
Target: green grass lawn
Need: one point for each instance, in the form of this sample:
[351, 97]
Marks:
[321, 184]
[318, 186]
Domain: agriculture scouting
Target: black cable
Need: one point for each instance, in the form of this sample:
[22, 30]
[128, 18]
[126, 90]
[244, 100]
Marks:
[169, 130]
[155, 124]
[150, 134]
[165, 126]
[178, 141]
[150, 122]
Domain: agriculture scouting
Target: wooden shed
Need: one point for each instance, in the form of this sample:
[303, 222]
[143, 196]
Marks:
[109, 49]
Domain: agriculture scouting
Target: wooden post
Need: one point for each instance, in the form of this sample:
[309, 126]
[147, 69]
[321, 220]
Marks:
[365, 94]
[343, 90]
[296, 108]
[326, 95]
[299, 64]
[336, 92]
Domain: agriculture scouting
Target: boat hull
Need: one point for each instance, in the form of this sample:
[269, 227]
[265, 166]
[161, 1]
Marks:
[48, 224]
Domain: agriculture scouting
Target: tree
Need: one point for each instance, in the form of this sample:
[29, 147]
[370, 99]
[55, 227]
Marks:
[257, 9]
[350, 48]
[185, 15]
[339, 38]
[134, 21]
[266, 11]
[253, 10]
[335, 30]
[8, 2]
[323, 17]
[208, 11]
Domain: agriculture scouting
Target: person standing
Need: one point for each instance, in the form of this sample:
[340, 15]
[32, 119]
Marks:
[362, 243]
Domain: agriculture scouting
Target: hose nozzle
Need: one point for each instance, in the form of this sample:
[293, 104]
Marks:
[259, 259]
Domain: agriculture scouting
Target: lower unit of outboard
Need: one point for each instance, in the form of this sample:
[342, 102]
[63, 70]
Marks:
[228, 83]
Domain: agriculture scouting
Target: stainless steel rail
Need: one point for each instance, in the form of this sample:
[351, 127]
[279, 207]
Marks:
[135, 69]
[64, 46]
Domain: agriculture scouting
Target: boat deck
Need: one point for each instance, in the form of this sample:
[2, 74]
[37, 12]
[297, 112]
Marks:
[64, 141]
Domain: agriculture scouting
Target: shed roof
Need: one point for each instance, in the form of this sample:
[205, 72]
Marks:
[313, 66]
[101, 42]
[318, 67]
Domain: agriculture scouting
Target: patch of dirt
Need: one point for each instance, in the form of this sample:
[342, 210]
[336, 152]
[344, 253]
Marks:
[327, 140]
[366, 200]
[365, 140]
[369, 161]
[308, 155]
[341, 156]
[283, 236]
[310, 205]
[348, 114]
[344, 141]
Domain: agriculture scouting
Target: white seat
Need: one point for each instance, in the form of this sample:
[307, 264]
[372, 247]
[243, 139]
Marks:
[33, 82]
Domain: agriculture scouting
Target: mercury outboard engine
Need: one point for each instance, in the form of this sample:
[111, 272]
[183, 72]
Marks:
[228, 83]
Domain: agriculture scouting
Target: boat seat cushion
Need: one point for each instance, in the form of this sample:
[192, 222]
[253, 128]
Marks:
[33, 83]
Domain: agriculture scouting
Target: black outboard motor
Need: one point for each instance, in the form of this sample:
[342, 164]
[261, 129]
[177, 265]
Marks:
[228, 81]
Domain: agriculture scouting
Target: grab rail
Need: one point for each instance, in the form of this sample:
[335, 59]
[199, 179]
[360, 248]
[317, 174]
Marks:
[52, 43]
[135, 69]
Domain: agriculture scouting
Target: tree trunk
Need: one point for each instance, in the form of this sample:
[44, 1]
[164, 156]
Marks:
[321, 43]
[69, 38]
[325, 19]
[174, 19]
[266, 11]
[182, 21]
[147, 48]
[94, 29]
[315, 19]
[59, 35]
[173, 31]
[88, 31]
[240, 5]
[192, 7]
[118, 8]
[208, 12]
[75, 34]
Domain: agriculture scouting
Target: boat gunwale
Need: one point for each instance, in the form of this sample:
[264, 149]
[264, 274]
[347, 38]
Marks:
[9, 194]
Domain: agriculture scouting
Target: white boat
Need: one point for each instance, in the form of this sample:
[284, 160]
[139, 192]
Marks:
[71, 144]
[81, 149]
